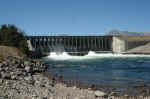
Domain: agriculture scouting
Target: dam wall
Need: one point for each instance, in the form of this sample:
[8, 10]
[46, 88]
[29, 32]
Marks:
[70, 43]
[83, 44]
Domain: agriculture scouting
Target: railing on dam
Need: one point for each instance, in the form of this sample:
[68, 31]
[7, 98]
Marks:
[71, 43]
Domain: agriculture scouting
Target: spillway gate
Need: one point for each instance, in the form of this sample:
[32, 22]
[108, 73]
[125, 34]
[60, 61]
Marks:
[70, 43]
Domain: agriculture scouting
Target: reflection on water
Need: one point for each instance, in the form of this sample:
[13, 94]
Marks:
[104, 69]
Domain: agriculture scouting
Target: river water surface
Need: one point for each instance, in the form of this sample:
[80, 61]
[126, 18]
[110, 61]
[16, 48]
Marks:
[104, 69]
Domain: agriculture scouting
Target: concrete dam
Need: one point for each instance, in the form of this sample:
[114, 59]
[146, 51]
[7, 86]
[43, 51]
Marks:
[70, 44]
[81, 45]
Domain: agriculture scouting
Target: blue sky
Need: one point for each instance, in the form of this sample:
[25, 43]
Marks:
[76, 17]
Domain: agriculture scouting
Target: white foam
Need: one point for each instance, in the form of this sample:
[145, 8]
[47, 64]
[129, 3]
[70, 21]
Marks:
[90, 55]
[62, 56]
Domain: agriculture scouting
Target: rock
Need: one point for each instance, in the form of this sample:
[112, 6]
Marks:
[1, 97]
[1, 81]
[17, 79]
[28, 69]
[141, 96]
[24, 73]
[1, 68]
[14, 61]
[113, 93]
[12, 73]
[1, 64]
[74, 87]
[5, 63]
[6, 68]
[111, 97]
[28, 78]
[19, 72]
[7, 82]
[44, 98]
[99, 93]
[5, 75]
[26, 63]
[34, 95]
[13, 77]
[126, 95]
[50, 97]
[22, 65]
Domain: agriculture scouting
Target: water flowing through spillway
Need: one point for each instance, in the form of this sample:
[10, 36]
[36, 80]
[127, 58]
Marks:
[90, 55]
[108, 69]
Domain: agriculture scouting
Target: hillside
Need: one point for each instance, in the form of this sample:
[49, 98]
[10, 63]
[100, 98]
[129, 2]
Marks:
[6, 51]
[127, 33]
[144, 49]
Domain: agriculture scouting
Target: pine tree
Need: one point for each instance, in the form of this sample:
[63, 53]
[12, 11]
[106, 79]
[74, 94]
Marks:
[10, 35]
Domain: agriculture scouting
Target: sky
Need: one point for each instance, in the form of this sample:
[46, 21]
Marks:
[76, 17]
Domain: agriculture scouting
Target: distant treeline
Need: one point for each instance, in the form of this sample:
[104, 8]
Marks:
[10, 35]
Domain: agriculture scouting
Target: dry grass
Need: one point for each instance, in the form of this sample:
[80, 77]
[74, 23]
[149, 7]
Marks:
[6, 51]
[135, 38]
[145, 49]
[1, 58]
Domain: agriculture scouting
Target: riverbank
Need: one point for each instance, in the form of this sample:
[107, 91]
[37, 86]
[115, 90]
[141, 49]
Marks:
[27, 79]
[24, 79]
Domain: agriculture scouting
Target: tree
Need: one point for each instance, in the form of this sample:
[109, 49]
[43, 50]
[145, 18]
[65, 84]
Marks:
[10, 35]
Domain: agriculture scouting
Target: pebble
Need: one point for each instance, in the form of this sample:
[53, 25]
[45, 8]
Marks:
[99, 93]
[13, 77]
[51, 98]
[74, 87]
[28, 78]
[5, 75]
[28, 69]
[126, 95]
[113, 93]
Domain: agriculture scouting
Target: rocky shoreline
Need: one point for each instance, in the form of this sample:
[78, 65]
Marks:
[27, 79]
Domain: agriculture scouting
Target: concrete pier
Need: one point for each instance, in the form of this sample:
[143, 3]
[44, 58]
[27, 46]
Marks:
[121, 44]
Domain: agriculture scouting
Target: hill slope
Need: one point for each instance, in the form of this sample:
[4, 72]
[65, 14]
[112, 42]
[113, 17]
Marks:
[6, 51]
[144, 49]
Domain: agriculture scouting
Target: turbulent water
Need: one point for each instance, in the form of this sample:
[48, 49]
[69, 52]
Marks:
[104, 69]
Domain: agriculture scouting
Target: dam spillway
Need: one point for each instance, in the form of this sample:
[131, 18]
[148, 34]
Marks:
[81, 45]
[70, 44]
